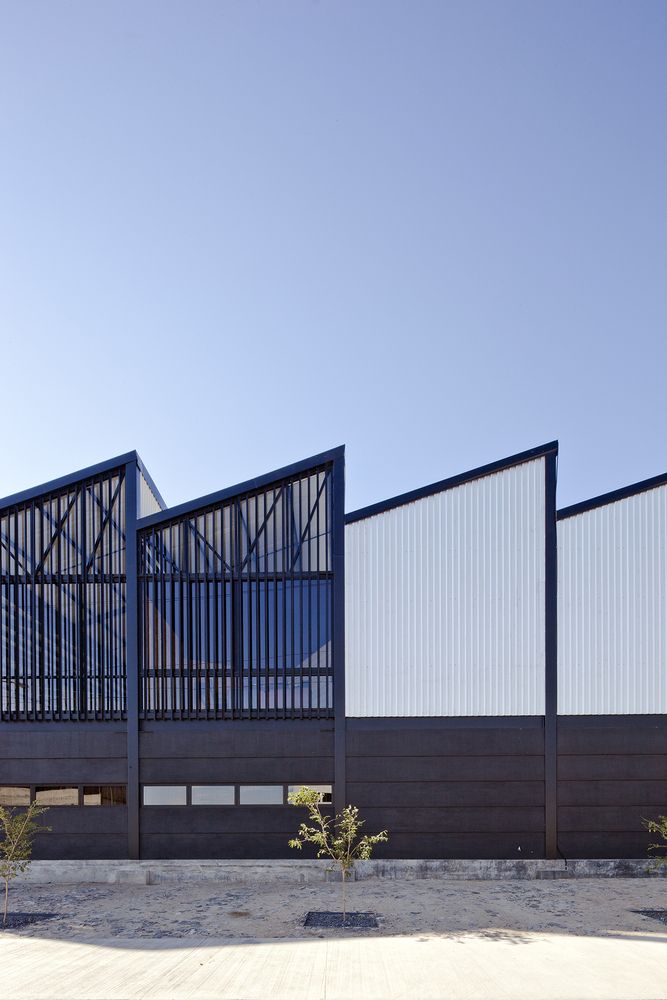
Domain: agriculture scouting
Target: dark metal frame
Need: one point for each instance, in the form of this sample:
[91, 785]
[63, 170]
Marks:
[166, 579]
[132, 664]
[445, 722]
[231, 492]
[80, 785]
[549, 452]
[335, 720]
[604, 499]
[447, 484]
[65, 573]
[235, 785]
[340, 748]
[551, 658]
[91, 472]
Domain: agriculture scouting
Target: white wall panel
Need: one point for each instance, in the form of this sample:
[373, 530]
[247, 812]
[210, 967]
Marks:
[147, 502]
[445, 602]
[612, 608]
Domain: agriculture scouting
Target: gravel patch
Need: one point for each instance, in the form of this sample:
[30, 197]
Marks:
[660, 915]
[275, 910]
[18, 920]
[330, 918]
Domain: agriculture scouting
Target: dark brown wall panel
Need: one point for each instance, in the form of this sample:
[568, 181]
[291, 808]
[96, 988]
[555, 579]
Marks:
[66, 821]
[612, 775]
[222, 820]
[615, 819]
[591, 734]
[270, 752]
[52, 740]
[83, 832]
[605, 844]
[446, 793]
[85, 847]
[235, 739]
[519, 844]
[447, 820]
[443, 788]
[261, 753]
[241, 846]
[254, 770]
[401, 741]
[643, 794]
[63, 770]
[470, 768]
[632, 767]
[52, 753]
[450, 788]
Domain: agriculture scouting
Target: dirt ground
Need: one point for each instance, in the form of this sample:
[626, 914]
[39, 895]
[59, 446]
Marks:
[436, 907]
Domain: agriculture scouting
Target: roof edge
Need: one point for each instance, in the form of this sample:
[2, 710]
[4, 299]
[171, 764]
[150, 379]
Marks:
[257, 483]
[151, 482]
[624, 493]
[447, 484]
[55, 485]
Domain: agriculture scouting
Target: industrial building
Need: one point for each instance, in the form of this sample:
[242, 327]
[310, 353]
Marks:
[482, 674]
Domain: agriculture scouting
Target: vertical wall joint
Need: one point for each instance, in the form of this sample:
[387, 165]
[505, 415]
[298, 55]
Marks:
[132, 659]
[551, 661]
[338, 637]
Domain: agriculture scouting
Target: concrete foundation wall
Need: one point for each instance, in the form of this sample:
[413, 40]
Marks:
[303, 872]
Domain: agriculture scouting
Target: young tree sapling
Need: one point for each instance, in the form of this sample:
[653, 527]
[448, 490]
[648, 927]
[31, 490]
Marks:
[19, 830]
[658, 826]
[336, 837]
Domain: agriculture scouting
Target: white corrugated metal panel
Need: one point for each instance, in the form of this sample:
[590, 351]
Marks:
[445, 602]
[612, 608]
[147, 502]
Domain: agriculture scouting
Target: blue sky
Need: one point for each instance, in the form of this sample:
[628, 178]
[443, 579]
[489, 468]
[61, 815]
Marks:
[236, 234]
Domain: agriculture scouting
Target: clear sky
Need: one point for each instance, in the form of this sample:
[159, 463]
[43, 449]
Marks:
[236, 234]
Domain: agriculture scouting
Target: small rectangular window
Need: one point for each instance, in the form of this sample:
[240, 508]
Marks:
[104, 795]
[261, 795]
[326, 791]
[212, 795]
[12, 795]
[63, 795]
[165, 795]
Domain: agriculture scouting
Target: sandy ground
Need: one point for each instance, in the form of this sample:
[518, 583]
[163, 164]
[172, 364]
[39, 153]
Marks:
[494, 910]
[437, 940]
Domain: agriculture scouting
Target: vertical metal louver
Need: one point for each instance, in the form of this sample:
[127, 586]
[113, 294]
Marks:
[62, 603]
[236, 606]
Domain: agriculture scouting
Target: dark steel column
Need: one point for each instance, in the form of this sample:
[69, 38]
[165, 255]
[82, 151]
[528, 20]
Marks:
[338, 630]
[551, 660]
[132, 659]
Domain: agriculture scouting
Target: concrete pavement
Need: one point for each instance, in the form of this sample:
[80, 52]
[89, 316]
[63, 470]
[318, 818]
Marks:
[496, 965]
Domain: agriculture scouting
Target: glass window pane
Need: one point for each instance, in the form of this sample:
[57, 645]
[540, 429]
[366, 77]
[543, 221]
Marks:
[10, 795]
[213, 795]
[326, 791]
[261, 795]
[61, 796]
[165, 795]
[104, 795]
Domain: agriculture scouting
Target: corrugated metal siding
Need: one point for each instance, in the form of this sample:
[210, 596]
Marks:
[147, 502]
[445, 602]
[612, 608]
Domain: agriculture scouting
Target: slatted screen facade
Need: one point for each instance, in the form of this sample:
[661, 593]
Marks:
[62, 603]
[236, 606]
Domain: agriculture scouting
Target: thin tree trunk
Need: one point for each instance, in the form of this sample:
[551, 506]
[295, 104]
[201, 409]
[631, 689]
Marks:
[4, 919]
[344, 886]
